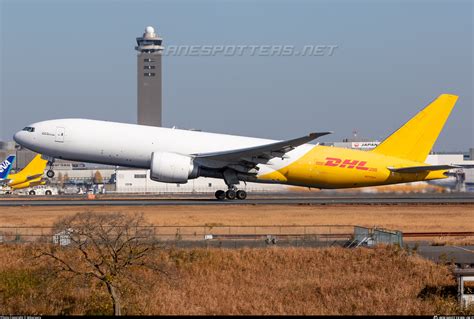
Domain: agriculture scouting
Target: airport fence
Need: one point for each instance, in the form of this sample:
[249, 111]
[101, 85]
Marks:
[203, 236]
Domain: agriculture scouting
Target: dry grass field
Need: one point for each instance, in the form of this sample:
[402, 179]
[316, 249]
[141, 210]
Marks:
[407, 218]
[384, 280]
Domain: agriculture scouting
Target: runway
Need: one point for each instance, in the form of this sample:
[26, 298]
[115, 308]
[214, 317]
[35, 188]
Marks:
[203, 200]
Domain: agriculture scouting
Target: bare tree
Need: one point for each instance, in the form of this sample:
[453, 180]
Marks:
[98, 179]
[105, 247]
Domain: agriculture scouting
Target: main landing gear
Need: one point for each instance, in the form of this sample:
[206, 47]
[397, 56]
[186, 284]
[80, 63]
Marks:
[231, 193]
[230, 179]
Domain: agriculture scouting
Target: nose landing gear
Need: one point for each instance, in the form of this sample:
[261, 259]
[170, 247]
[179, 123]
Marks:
[50, 172]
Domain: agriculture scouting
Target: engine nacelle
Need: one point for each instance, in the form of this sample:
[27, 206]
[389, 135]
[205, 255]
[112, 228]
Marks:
[172, 168]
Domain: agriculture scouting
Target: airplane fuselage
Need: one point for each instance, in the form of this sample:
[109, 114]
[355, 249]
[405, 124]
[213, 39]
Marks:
[132, 145]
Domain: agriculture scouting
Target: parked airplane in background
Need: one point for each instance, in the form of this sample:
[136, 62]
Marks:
[175, 156]
[31, 175]
[5, 168]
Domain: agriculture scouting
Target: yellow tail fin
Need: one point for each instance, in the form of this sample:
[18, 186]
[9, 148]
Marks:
[414, 140]
[36, 166]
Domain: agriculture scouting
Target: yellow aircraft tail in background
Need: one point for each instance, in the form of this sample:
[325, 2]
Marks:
[31, 175]
[414, 140]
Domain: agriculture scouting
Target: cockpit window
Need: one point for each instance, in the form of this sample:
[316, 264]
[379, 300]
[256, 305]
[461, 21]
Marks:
[29, 129]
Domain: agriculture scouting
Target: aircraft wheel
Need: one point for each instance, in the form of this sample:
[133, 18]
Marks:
[50, 173]
[48, 192]
[32, 192]
[230, 194]
[220, 195]
[241, 194]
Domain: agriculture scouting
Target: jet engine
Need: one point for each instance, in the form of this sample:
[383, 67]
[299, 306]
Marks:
[172, 168]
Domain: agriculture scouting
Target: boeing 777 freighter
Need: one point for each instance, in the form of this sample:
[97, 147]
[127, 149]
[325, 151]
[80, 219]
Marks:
[175, 156]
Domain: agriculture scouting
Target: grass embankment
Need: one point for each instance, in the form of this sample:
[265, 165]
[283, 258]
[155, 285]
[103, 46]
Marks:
[384, 280]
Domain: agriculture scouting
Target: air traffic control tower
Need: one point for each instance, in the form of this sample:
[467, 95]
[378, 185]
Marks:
[149, 78]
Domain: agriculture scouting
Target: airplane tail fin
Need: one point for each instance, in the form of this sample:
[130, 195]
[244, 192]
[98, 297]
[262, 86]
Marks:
[414, 140]
[36, 166]
[6, 166]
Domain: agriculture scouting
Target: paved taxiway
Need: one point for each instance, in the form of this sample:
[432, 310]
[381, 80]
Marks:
[361, 199]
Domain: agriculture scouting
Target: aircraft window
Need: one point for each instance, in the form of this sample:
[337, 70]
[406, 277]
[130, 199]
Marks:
[29, 129]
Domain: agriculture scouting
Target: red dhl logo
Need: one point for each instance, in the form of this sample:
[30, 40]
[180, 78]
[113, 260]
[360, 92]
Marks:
[347, 163]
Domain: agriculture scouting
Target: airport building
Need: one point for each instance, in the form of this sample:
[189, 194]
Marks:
[138, 181]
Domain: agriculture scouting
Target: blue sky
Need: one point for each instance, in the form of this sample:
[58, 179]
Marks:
[76, 59]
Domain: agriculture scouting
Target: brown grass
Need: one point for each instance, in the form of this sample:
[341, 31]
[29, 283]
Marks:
[407, 218]
[248, 281]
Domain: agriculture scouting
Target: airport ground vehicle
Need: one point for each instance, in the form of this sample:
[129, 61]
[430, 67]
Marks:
[175, 156]
[45, 190]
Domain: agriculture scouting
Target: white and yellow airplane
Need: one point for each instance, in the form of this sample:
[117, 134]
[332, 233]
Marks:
[31, 175]
[175, 156]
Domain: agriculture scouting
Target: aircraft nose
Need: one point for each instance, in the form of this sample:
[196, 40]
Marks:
[19, 137]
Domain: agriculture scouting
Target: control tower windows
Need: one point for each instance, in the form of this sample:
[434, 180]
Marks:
[149, 74]
[149, 67]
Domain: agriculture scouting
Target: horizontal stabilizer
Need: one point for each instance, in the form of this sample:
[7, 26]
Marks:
[425, 168]
[31, 177]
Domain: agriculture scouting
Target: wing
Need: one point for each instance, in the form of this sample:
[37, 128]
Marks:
[426, 168]
[251, 156]
[466, 165]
